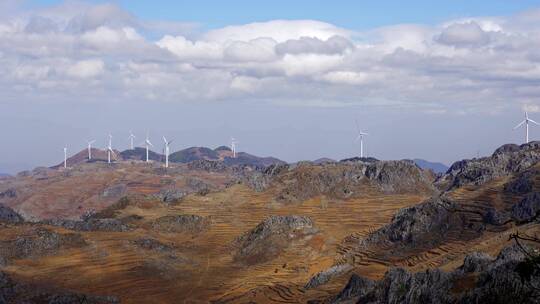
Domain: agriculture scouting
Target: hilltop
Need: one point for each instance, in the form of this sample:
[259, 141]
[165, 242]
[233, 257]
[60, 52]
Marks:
[221, 154]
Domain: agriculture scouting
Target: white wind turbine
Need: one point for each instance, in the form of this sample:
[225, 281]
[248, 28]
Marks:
[131, 138]
[109, 149]
[90, 142]
[147, 145]
[526, 122]
[360, 137]
[233, 146]
[65, 157]
[167, 144]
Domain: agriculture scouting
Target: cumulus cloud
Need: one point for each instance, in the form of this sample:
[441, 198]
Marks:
[464, 34]
[464, 64]
[305, 45]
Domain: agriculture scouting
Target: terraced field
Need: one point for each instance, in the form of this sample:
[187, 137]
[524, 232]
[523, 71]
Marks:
[203, 268]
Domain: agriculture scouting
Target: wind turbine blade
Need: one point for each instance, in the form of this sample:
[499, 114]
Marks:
[520, 124]
[165, 140]
[534, 122]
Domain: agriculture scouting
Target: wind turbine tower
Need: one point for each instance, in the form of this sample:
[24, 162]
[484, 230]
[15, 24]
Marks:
[90, 142]
[109, 149]
[131, 138]
[360, 137]
[147, 144]
[167, 151]
[233, 146]
[65, 157]
[526, 123]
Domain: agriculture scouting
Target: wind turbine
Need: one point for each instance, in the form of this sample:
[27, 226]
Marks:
[65, 157]
[90, 142]
[360, 137]
[233, 146]
[109, 149]
[131, 138]
[526, 122]
[147, 144]
[167, 144]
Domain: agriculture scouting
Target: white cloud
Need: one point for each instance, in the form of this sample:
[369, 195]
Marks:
[279, 30]
[462, 64]
[186, 49]
[86, 69]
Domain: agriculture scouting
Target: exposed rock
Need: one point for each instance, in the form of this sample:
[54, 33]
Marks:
[523, 183]
[505, 160]
[357, 286]
[481, 279]
[257, 178]
[207, 165]
[270, 237]
[325, 276]
[476, 262]
[91, 224]
[152, 244]
[350, 179]
[8, 193]
[423, 225]
[15, 292]
[181, 223]
[527, 209]
[170, 196]
[7, 215]
[39, 242]
[497, 218]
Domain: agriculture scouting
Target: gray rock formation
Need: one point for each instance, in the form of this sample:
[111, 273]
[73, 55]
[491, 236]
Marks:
[504, 161]
[115, 191]
[90, 224]
[38, 242]
[187, 223]
[270, 237]
[527, 209]
[497, 281]
[7, 215]
[326, 275]
[170, 196]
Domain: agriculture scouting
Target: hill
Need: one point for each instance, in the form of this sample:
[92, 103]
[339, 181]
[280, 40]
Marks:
[336, 232]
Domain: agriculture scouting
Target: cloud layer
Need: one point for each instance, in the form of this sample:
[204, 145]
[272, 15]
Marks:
[98, 53]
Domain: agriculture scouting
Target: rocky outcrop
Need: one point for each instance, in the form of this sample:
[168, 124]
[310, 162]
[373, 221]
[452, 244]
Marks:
[351, 178]
[481, 279]
[184, 223]
[170, 196]
[325, 276]
[90, 224]
[268, 239]
[424, 226]
[7, 215]
[527, 209]
[506, 160]
[8, 193]
[38, 242]
[258, 178]
[12, 291]
[152, 244]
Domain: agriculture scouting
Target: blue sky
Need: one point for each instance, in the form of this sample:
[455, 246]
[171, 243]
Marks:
[439, 81]
[349, 14]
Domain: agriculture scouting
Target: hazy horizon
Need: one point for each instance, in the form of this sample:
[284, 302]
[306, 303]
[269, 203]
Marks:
[443, 84]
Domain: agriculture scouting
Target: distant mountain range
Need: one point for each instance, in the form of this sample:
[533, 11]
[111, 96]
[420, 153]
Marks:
[4, 175]
[221, 153]
[434, 166]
